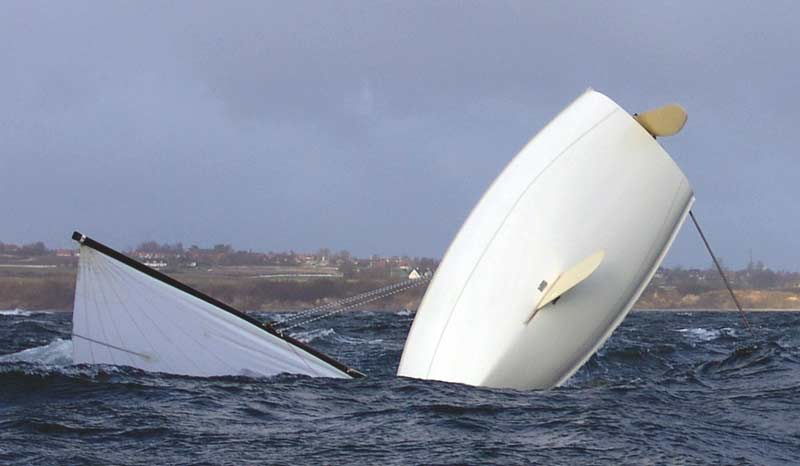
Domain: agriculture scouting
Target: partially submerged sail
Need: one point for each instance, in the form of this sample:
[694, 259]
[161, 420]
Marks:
[129, 314]
[594, 179]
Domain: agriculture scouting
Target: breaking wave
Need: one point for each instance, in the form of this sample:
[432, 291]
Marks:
[704, 334]
[21, 312]
[659, 376]
[56, 353]
[313, 335]
[16, 312]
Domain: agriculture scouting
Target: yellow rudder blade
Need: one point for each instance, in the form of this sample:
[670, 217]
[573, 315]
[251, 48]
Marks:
[663, 121]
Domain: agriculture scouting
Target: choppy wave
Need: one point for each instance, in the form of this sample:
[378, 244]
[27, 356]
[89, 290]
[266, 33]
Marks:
[58, 352]
[705, 334]
[310, 336]
[349, 340]
[21, 312]
[15, 312]
[665, 388]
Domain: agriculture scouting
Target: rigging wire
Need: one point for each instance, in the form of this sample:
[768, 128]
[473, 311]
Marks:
[350, 299]
[349, 303]
[722, 274]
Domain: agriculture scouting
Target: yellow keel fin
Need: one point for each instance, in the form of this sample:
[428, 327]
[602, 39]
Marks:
[568, 280]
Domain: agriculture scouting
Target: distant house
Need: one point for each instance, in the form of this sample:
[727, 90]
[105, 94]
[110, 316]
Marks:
[697, 275]
[149, 255]
[66, 252]
[414, 275]
[155, 264]
[399, 271]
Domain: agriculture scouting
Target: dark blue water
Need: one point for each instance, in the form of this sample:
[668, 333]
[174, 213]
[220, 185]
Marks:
[674, 388]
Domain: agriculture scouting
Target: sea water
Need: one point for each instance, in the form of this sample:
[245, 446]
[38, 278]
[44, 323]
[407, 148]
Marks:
[667, 388]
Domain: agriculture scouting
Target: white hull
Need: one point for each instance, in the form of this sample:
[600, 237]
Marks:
[592, 180]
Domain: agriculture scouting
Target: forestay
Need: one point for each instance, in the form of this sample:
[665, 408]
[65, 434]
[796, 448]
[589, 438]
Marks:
[128, 314]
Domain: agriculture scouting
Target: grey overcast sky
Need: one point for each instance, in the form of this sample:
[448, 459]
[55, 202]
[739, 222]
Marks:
[375, 126]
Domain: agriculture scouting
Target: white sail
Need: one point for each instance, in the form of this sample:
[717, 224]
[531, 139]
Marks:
[127, 314]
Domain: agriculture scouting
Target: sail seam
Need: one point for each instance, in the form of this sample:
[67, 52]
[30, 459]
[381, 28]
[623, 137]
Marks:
[84, 302]
[173, 325]
[156, 326]
[100, 319]
[113, 289]
[101, 278]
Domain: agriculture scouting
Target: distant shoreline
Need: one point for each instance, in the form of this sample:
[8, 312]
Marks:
[54, 289]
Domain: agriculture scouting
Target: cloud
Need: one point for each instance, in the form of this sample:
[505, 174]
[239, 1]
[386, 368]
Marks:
[372, 126]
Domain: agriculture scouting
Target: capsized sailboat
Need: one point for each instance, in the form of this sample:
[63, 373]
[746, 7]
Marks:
[546, 266]
[128, 314]
[556, 252]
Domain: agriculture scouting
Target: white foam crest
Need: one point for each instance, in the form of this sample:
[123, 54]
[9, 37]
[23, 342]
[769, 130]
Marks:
[272, 316]
[311, 335]
[21, 312]
[358, 341]
[56, 353]
[704, 334]
[15, 312]
[404, 312]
